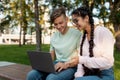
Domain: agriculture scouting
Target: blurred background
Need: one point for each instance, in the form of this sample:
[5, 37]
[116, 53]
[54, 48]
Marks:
[25, 22]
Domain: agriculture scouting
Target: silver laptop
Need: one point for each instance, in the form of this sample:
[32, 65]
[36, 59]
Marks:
[41, 61]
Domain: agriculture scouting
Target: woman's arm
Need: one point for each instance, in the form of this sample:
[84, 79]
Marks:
[103, 51]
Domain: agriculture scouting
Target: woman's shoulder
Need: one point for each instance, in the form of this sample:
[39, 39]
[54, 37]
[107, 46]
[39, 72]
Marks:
[101, 29]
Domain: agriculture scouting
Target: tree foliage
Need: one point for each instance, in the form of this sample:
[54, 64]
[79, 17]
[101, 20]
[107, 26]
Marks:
[16, 13]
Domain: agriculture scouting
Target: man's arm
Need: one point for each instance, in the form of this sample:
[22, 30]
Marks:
[73, 62]
[52, 54]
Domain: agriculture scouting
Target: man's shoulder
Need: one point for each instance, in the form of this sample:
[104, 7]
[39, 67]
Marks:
[55, 34]
[74, 30]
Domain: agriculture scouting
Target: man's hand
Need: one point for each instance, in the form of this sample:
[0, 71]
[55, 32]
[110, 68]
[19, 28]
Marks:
[60, 66]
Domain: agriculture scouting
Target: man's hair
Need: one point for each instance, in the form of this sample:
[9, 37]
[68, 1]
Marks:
[57, 13]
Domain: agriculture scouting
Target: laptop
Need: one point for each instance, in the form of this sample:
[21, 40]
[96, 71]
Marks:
[41, 61]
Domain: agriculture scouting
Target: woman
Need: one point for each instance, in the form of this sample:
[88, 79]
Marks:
[96, 59]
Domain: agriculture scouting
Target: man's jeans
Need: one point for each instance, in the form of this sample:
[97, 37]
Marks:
[67, 74]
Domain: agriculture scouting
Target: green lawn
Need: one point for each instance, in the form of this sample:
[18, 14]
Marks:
[14, 53]
[117, 65]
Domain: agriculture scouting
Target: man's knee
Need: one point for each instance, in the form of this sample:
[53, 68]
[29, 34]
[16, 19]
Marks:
[32, 75]
[52, 77]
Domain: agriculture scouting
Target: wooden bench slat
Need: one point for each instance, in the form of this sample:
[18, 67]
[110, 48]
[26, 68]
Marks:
[14, 71]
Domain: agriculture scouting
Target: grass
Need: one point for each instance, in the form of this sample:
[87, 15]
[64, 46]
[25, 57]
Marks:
[117, 64]
[14, 53]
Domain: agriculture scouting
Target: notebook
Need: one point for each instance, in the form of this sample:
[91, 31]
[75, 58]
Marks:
[41, 61]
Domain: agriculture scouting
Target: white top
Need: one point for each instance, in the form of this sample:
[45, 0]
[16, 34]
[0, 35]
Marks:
[65, 46]
[103, 51]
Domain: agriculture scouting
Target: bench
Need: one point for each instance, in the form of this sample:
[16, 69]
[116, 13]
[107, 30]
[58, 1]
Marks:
[13, 71]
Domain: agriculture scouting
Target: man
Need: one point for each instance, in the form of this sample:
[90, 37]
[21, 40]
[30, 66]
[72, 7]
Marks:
[63, 46]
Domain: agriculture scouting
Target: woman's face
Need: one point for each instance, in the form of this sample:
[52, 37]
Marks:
[79, 22]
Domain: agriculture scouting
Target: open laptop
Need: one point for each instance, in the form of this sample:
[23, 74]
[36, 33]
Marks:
[41, 61]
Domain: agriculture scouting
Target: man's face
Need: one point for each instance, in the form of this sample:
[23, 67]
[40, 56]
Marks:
[60, 23]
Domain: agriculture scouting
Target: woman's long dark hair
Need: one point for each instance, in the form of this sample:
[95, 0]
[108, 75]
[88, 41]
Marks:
[83, 12]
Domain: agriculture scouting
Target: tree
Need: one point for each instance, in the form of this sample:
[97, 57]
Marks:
[115, 19]
[27, 10]
[37, 27]
[4, 20]
[24, 21]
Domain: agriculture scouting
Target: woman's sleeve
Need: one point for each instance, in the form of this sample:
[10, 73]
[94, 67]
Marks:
[80, 71]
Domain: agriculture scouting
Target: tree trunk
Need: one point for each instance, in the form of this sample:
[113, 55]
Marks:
[117, 36]
[20, 26]
[114, 6]
[37, 27]
[24, 36]
[24, 21]
[20, 33]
